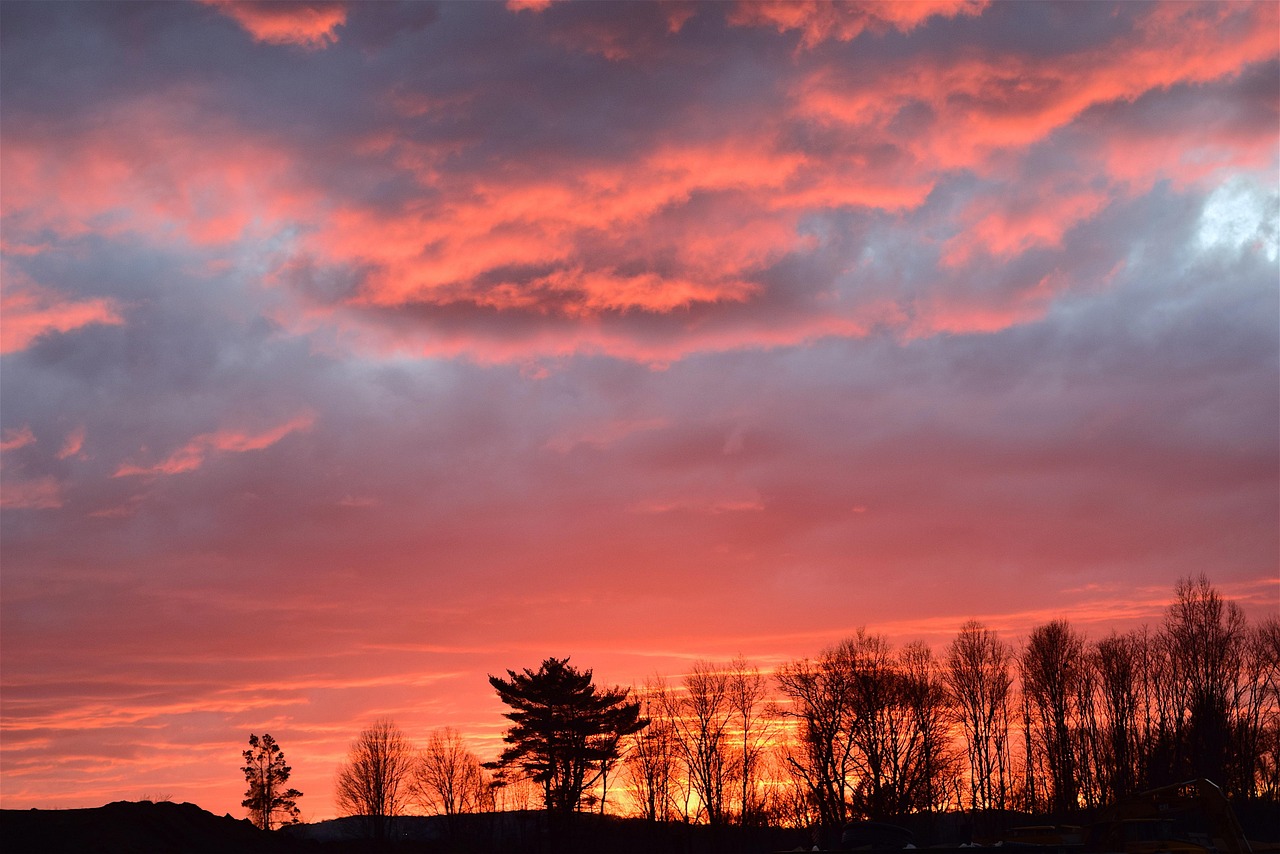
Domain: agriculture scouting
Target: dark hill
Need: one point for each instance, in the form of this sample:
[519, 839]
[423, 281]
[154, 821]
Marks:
[125, 827]
[167, 828]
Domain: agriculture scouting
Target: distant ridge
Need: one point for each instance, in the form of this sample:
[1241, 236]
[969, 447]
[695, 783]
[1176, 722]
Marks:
[127, 827]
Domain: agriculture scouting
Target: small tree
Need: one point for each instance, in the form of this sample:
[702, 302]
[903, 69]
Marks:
[374, 781]
[651, 761]
[448, 778]
[702, 714]
[564, 732]
[269, 802]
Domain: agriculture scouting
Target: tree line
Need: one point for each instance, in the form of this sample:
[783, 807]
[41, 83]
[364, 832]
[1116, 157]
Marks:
[863, 729]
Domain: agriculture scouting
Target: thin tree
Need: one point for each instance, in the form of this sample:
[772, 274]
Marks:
[702, 713]
[374, 781]
[1206, 637]
[269, 801]
[1051, 673]
[748, 693]
[821, 755]
[877, 723]
[650, 763]
[978, 675]
[448, 778]
[936, 765]
[1118, 666]
[563, 730]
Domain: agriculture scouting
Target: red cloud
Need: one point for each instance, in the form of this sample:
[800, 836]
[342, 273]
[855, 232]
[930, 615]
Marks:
[309, 25]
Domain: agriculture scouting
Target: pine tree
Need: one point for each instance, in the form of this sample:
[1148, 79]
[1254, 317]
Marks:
[564, 732]
[270, 804]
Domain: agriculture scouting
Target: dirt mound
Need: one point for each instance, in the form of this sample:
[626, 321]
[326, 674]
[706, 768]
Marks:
[126, 827]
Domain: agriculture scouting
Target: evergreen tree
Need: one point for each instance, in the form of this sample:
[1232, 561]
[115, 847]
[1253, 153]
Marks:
[266, 772]
[564, 732]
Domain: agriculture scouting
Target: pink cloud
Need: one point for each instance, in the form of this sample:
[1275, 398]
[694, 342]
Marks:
[160, 177]
[985, 104]
[42, 493]
[820, 20]
[29, 312]
[1004, 226]
[306, 24]
[72, 445]
[685, 222]
[192, 455]
[17, 437]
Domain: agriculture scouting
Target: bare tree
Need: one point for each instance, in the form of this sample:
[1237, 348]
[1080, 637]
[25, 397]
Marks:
[748, 695]
[651, 759]
[978, 675]
[935, 766]
[821, 756]
[1257, 700]
[1267, 640]
[1206, 645]
[373, 783]
[702, 715]
[1051, 672]
[878, 725]
[512, 790]
[447, 777]
[1118, 666]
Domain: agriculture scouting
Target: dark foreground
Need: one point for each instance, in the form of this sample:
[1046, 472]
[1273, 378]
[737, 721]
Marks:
[167, 828]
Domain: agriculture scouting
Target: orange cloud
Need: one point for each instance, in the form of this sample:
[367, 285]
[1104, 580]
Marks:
[309, 25]
[192, 455]
[528, 5]
[27, 313]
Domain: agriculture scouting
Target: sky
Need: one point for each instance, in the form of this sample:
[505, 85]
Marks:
[352, 352]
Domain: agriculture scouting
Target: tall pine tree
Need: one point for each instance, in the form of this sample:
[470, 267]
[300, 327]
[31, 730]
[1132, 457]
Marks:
[564, 732]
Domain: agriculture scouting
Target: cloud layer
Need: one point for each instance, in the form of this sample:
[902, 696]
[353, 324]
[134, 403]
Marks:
[354, 351]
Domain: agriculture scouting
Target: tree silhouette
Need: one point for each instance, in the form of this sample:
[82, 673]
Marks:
[977, 674]
[564, 732]
[703, 714]
[1207, 643]
[651, 761]
[374, 782]
[266, 772]
[447, 777]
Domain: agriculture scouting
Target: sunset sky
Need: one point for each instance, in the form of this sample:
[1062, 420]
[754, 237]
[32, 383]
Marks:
[355, 351]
